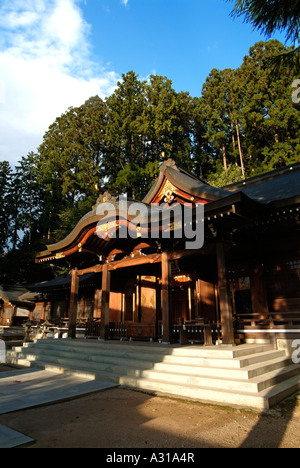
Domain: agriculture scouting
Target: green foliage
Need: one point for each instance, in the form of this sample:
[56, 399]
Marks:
[70, 216]
[225, 177]
[249, 117]
[146, 122]
[5, 206]
[270, 16]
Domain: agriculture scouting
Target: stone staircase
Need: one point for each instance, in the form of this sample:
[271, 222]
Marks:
[249, 376]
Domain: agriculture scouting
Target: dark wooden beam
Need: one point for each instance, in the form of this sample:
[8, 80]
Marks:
[93, 269]
[135, 261]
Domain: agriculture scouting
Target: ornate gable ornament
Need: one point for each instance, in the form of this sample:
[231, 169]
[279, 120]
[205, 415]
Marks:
[168, 193]
[105, 197]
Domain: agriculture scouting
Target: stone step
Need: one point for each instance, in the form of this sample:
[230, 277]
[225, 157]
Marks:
[222, 352]
[207, 369]
[249, 376]
[201, 357]
[236, 383]
[259, 401]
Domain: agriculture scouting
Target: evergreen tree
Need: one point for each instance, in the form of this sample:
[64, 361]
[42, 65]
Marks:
[29, 198]
[220, 104]
[6, 209]
[147, 123]
[168, 122]
[125, 140]
[203, 152]
[69, 164]
[269, 118]
[270, 16]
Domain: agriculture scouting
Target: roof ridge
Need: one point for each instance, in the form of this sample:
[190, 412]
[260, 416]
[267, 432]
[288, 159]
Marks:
[265, 176]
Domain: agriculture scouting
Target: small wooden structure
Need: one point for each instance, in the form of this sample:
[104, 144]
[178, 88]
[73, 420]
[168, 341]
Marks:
[242, 284]
[15, 308]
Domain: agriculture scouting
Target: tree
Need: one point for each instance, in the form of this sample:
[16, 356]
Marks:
[269, 119]
[212, 106]
[6, 212]
[271, 15]
[220, 104]
[222, 178]
[168, 122]
[29, 201]
[147, 122]
[124, 136]
[69, 163]
[246, 117]
[203, 154]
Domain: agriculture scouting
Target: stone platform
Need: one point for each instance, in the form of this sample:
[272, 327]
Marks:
[248, 376]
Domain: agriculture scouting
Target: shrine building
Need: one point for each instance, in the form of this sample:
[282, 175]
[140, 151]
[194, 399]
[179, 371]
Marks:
[240, 283]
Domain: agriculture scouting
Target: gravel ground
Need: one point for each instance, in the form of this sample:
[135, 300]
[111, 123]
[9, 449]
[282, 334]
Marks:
[120, 418]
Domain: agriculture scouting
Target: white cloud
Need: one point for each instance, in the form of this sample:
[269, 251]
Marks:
[45, 67]
[124, 2]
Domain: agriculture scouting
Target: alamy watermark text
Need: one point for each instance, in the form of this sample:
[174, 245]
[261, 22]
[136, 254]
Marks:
[127, 219]
[296, 93]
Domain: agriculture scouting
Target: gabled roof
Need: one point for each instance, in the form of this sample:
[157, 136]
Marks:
[14, 295]
[271, 187]
[86, 231]
[184, 185]
[255, 196]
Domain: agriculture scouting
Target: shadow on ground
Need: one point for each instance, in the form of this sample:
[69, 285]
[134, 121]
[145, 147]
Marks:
[125, 419]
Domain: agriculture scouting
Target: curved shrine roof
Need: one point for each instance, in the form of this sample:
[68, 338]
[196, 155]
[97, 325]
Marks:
[277, 188]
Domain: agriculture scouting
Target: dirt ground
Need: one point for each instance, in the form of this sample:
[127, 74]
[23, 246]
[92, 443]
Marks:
[121, 418]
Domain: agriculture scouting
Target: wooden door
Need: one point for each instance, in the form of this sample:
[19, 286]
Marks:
[180, 304]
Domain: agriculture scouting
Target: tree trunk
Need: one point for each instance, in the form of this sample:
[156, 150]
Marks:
[224, 158]
[233, 137]
[240, 150]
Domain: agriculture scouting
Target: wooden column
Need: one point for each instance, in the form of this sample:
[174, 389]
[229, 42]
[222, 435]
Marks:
[224, 296]
[106, 278]
[197, 294]
[166, 304]
[73, 303]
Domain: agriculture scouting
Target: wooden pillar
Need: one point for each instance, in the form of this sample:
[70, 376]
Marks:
[166, 304]
[106, 279]
[197, 298]
[224, 297]
[73, 303]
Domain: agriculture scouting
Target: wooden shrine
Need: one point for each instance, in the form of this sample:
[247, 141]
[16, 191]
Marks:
[241, 284]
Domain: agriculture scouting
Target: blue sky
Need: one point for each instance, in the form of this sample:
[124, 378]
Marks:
[57, 53]
[180, 39]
